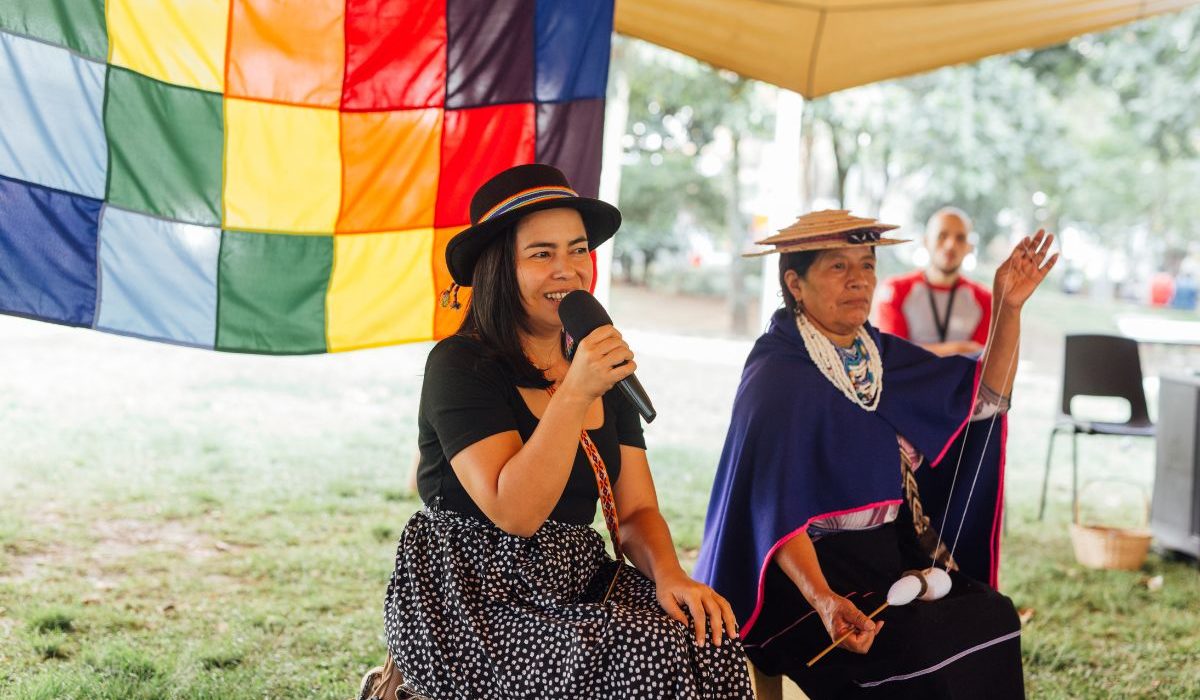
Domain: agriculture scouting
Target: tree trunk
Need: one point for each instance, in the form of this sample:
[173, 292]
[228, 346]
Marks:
[739, 303]
[808, 175]
[626, 267]
[841, 162]
[648, 256]
[885, 182]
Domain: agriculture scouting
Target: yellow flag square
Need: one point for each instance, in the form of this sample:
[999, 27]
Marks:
[381, 291]
[176, 41]
[283, 170]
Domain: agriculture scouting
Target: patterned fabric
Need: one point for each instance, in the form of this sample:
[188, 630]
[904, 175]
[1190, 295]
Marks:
[472, 612]
[990, 403]
[856, 520]
[855, 361]
[608, 502]
[927, 537]
[526, 198]
[274, 177]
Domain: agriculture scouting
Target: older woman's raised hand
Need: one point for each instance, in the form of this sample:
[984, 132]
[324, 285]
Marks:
[1024, 270]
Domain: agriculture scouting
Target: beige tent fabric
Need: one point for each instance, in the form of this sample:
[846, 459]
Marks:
[823, 46]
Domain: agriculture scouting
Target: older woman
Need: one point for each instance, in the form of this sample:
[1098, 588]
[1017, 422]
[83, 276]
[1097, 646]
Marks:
[502, 589]
[817, 506]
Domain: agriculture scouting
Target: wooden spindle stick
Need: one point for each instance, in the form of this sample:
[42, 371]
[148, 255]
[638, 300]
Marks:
[842, 638]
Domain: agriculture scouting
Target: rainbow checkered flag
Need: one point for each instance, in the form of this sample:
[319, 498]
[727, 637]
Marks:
[274, 176]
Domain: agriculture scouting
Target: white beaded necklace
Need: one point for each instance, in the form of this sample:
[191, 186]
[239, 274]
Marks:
[827, 359]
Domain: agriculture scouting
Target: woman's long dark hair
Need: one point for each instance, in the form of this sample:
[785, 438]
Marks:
[495, 316]
[799, 262]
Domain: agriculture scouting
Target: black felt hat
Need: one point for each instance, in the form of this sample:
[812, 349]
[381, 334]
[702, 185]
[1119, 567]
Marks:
[517, 192]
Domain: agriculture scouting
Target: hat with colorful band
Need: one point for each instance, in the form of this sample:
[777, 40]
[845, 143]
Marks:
[519, 191]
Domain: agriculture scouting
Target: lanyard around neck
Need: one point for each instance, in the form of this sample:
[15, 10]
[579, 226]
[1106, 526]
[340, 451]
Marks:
[942, 323]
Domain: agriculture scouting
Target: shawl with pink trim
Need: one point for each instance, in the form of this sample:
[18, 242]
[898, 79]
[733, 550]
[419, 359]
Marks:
[797, 450]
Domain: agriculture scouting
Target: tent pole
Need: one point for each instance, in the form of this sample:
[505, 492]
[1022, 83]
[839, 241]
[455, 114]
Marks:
[616, 117]
[781, 170]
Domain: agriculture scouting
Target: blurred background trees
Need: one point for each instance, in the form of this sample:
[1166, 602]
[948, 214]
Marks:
[1097, 139]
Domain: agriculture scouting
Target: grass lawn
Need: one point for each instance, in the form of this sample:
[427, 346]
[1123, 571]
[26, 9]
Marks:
[185, 524]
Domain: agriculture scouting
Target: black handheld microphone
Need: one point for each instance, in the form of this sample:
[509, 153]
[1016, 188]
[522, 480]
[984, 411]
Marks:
[581, 314]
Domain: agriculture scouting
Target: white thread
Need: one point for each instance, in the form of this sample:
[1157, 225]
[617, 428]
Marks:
[987, 353]
[986, 440]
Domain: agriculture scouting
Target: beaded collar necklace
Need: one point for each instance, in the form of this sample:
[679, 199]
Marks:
[856, 372]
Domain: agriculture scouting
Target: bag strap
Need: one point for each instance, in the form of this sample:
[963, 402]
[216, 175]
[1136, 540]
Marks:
[608, 503]
[927, 535]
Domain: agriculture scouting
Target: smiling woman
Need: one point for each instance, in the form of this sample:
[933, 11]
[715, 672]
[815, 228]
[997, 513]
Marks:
[552, 261]
[501, 586]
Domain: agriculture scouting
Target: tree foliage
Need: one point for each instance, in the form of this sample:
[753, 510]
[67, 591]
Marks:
[1100, 134]
[684, 119]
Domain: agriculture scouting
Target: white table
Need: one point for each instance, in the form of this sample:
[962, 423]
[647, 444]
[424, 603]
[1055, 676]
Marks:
[1159, 331]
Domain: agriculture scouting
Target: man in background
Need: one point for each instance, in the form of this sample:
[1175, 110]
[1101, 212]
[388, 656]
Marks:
[938, 308]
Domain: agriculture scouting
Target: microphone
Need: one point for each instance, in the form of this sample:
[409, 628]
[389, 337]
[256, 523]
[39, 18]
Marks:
[581, 314]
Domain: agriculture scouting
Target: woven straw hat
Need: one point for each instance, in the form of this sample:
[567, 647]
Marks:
[823, 230]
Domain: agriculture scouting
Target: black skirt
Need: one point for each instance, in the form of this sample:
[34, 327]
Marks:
[475, 613]
[966, 645]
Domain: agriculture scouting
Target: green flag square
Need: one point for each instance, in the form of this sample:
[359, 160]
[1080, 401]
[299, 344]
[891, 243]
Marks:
[76, 24]
[166, 144]
[271, 292]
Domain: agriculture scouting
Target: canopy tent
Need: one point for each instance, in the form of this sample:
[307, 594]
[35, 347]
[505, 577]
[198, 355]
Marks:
[815, 47]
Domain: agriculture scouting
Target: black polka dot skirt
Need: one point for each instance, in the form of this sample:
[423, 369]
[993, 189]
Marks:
[475, 613]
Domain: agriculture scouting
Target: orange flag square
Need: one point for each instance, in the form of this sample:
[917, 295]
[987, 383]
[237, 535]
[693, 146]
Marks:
[288, 52]
[390, 164]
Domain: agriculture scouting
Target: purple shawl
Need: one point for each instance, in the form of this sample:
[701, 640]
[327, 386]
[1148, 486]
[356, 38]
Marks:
[798, 450]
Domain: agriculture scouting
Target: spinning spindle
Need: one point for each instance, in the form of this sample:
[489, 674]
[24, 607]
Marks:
[930, 584]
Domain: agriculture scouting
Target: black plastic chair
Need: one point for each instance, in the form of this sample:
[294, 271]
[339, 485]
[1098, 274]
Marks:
[1097, 365]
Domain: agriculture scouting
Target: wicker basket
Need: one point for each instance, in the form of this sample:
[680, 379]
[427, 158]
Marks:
[1100, 547]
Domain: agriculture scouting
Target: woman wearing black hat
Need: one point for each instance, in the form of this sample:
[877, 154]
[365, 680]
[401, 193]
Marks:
[502, 589]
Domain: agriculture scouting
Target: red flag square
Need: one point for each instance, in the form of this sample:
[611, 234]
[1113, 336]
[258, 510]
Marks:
[477, 144]
[395, 55]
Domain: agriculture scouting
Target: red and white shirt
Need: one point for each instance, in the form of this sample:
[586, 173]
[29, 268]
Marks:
[911, 307]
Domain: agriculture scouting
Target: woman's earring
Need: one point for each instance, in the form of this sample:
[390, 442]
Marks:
[797, 308]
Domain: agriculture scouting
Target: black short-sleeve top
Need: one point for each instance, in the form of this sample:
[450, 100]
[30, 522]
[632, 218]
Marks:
[467, 396]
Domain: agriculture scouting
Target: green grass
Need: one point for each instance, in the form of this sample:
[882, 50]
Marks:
[190, 525]
[54, 620]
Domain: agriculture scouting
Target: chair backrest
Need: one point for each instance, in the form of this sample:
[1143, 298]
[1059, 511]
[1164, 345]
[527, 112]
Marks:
[1104, 365]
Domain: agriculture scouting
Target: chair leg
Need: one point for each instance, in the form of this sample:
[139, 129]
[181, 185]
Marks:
[1074, 473]
[766, 687]
[1046, 476]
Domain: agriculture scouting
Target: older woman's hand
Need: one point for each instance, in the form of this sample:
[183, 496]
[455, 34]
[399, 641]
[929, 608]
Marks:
[678, 591]
[1023, 271]
[841, 616]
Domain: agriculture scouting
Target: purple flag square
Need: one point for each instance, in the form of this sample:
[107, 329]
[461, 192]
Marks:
[490, 53]
[569, 137]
